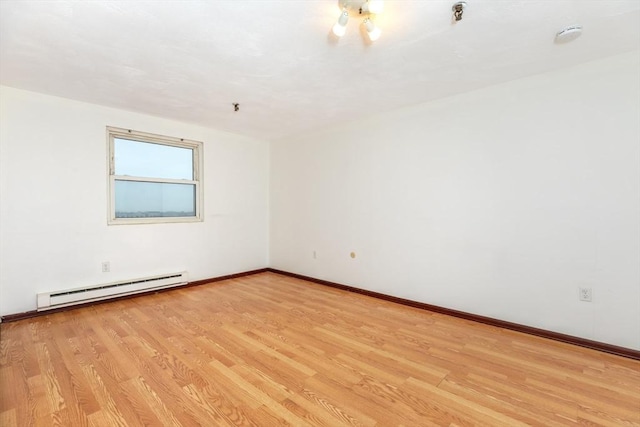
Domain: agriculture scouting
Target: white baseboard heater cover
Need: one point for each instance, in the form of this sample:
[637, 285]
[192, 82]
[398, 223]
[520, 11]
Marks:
[50, 300]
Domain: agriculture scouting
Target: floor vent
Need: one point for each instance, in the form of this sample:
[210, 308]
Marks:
[49, 300]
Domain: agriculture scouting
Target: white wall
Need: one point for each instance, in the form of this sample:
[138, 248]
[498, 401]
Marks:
[500, 202]
[53, 202]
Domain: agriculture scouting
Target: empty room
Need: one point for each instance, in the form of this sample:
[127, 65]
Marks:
[319, 213]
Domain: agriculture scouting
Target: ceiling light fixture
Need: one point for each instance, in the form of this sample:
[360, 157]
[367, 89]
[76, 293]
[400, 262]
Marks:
[373, 31]
[341, 26]
[364, 8]
[375, 6]
[458, 10]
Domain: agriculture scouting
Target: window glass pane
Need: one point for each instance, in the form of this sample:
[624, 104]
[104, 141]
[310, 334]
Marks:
[144, 159]
[136, 199]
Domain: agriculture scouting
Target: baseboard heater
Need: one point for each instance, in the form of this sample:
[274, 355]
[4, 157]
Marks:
[50, 300]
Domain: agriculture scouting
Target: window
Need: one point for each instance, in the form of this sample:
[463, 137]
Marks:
[153, 178]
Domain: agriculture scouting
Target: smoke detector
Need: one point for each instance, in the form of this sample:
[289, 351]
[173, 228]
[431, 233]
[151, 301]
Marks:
[569, 34]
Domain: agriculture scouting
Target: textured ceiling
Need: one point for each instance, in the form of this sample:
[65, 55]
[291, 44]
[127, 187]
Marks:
[191, 60]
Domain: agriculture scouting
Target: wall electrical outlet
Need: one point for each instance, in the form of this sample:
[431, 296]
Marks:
[585, 294]
[315, 255]
[106, 267]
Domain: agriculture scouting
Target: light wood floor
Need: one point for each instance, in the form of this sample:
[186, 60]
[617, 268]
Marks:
[269, 350]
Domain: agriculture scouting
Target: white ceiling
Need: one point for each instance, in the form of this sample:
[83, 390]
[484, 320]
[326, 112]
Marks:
[191, 60]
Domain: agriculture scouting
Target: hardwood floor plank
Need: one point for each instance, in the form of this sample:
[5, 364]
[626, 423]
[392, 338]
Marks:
[329, 393]
[460, 406]
[606, 403]
[138, 387]
[206, 401]
[259, 395]
[38, 397]
[111, 411]
[8, 418]
[272, 350]
[52, 388]
[254, 343]
[322, 362]
[160, 382]
[497, 395]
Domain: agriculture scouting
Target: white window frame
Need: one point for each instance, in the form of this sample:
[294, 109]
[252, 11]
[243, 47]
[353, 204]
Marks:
[196, 146]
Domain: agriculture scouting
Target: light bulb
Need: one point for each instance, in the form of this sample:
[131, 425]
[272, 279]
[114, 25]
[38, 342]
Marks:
[373, 31]
[340, 27]
[376, 6]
